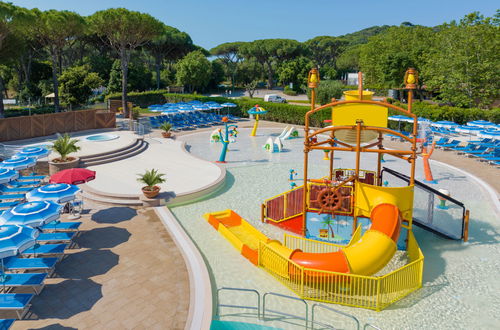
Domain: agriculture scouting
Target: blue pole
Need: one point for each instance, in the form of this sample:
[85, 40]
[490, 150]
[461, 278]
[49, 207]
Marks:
[225, 142]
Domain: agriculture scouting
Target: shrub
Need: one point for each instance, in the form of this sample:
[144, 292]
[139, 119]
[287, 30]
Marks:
[289, 91]
[136, 112]
[327, 90]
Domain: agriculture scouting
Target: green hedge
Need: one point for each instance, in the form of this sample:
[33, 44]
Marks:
[294, 114]
[18, 112]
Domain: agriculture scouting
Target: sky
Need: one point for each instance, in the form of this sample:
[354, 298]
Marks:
[212, 22]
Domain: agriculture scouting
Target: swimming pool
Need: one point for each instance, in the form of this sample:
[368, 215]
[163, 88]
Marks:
[102, 137]
[458, 277]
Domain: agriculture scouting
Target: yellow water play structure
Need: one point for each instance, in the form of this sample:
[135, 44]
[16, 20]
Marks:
[354, 273]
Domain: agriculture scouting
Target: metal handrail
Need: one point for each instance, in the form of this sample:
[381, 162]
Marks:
[219, 305]
[306, 319]
[358, 325]
[309, 324]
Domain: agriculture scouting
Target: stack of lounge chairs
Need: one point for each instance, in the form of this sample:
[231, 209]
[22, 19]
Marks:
[486, 150]
[189, 120]
[15, 191]
[30, 269]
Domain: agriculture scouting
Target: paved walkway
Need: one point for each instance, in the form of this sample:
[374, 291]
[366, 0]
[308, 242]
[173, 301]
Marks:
[127, 274]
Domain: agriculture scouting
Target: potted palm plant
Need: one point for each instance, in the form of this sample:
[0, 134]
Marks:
[151, 178]
[64, 146]
[166, 127]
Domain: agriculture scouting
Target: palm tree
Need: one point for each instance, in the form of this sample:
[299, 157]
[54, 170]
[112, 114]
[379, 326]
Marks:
[64, 145]
[328, 222]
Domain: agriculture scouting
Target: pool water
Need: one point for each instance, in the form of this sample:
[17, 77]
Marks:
[458, 278]
[102, 137]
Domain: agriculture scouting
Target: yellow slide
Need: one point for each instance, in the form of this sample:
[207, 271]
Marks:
[365, 257]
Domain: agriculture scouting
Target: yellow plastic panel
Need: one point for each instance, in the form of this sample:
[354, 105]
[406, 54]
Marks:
[231, 237]
[368, 196]
[371, 253]
[354, 95]
[370, 114]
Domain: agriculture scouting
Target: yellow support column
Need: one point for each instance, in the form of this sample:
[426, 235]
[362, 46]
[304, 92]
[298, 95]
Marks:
[254, 130]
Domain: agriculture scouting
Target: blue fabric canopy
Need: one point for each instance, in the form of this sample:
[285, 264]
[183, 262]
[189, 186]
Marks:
[468, 129]
[56, 192]
[36, 152]
[14, 239]
[444, 123]
[480, 123]
[228, 105]
[7, 175]
[18, 163]
[34, 214]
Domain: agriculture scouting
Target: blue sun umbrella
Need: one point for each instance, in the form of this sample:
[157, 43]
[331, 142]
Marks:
[34, 214]
[7, 175]
[481, 123]
[18, 163]
[228, 105]
[35, 152]
[445, 123]
[170, 111]
[489, 135]
[468, 129]
[56, 192]
[14, 239]
[214, 105]
[201, 107]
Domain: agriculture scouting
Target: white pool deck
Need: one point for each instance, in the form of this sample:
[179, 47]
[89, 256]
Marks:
[86, 147]
[184, 173]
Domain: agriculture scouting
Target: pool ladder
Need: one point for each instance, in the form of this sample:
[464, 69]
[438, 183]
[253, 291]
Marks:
[266, 314]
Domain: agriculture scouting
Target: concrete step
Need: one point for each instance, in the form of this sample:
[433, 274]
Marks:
[116, 157]
[87, 189]
[104, 155]
[110, 200]
[131, 145]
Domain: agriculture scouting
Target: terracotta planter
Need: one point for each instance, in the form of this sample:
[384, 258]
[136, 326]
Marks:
[166, 134]
[55, 167]
[151, 193]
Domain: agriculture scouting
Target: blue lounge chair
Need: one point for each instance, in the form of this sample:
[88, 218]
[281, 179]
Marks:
[12, 196]
[8, 205]
[5, 324]
[17, 264]
[7, 190]
[453, 143]
[478, 151]
[33, 280]
[19, 184]
[45, 249]
[31, 178]
[61, 226]
[467, 147]
[18, 302]
[63, 237]
[442, 141]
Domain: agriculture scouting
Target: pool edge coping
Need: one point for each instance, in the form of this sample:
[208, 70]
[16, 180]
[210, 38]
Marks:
[200, 287]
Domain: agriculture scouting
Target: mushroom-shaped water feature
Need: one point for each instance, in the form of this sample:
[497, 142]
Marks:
[256, 110]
